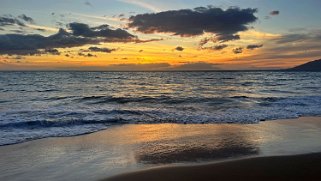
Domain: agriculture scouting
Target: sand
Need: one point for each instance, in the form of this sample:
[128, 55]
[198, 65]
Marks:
[127, 149]
[300, 167]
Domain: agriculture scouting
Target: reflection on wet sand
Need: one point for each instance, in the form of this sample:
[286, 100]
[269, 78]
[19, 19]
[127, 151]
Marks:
[197, 143]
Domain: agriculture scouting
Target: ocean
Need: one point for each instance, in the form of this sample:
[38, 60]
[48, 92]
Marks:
[36, 105]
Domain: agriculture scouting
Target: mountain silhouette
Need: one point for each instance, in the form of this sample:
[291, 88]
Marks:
[310, 66]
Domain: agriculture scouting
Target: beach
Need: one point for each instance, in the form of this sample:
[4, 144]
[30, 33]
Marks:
[171, 151]
[300, 167]
[139, 90]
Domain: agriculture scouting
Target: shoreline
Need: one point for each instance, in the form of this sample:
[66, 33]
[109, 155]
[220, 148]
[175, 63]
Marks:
[295, 167]
[122, 150]
[119, 125]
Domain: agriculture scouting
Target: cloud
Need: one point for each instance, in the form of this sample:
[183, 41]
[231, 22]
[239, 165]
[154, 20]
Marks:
[52, 51]
[40, 29]
[293, 38]
[86, 54]
[219, 47]
[26, 18]
[9, 20]
[300, 37]
[149, 40]
[289, 48]
[274, 13]
[252, 47]
[224, 24]
[223, 39]
[103, 31]
[104, 50]
[309, 36]
[238, 50]
[179, 48]
[81, 34]
[30, 44]
[87, 3]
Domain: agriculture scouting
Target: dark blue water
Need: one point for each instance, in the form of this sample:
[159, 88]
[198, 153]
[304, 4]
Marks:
[35, 105]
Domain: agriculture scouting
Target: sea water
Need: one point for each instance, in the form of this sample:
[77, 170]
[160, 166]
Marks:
[36, 105]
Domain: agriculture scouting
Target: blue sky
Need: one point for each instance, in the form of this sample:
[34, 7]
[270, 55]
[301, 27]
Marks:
[294, 14]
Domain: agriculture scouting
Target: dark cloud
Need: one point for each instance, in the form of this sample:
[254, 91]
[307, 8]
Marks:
[206, 40]
[104, 50]
[30, 44]
[59, 24]
[252, 47]
[103, 31]
[179, 48]
[87, 3]
[86, 54]
[220, 39]
[238, 50]
[219, 47]
[225, 24]
[26, 18]
[81, 34]
[40, 29]
[9, 20]
[52, 51]
[274, 13]
[227, 37]
[49, 51]
[90, 55]
[147, 41]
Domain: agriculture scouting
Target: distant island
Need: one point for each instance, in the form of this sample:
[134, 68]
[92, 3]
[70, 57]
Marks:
[310, 66]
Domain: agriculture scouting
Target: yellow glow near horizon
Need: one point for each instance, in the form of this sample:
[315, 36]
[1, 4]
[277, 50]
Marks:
[156, 52]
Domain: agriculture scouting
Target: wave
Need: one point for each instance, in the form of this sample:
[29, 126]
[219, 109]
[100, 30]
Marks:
[48, 124]
[35, 124]
[265, 109]
[156, 100]
[49, 90]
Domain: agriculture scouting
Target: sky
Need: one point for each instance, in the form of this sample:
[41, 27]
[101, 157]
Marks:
[153, 35]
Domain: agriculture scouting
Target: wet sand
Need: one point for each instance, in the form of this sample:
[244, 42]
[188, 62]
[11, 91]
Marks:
[129, 148]
[300, 167]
